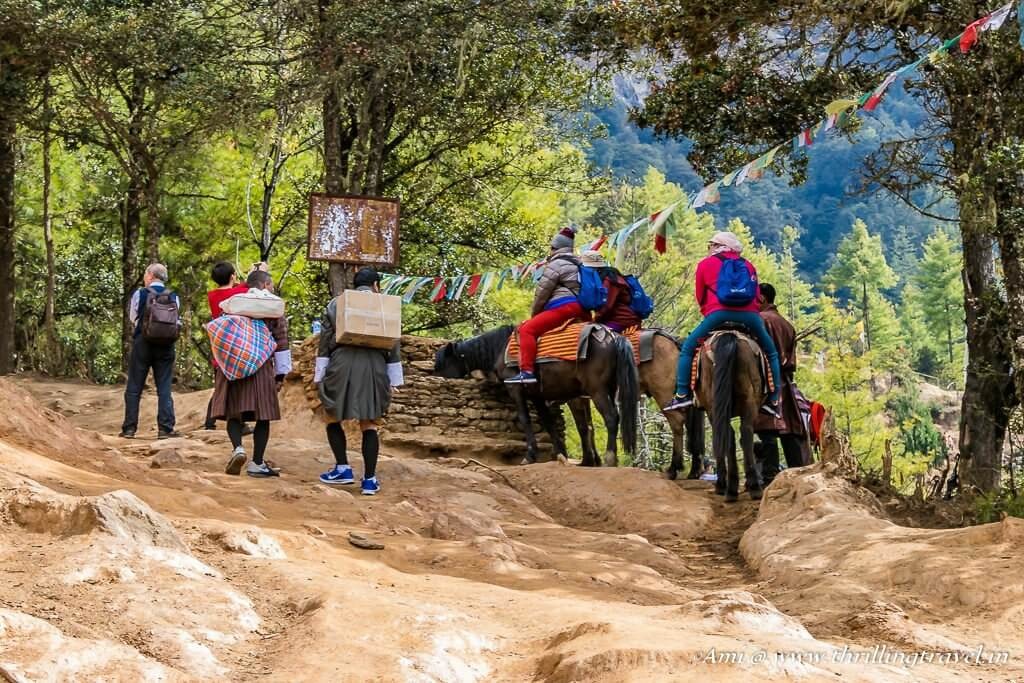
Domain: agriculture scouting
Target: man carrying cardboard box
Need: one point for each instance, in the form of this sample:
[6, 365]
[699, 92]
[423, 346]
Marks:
[355, 379]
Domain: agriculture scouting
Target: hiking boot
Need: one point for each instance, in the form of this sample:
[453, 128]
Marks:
[261, 470]
[172, 434]
[522, 378]
[771, 409]
[370, 486]
[235, 462]
[679, 403]
[339, 474]
[127, 434]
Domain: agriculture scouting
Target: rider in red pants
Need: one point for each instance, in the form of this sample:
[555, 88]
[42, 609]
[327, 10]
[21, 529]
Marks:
[554, 304]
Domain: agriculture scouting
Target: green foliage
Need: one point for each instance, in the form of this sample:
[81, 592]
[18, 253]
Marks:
[942, 292]
[842, 381]
[991, 507]
[917, 431]
[860, 268]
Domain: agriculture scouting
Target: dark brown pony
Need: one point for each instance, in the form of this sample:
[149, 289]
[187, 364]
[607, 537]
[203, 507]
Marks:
[731, 386]
[608, 370]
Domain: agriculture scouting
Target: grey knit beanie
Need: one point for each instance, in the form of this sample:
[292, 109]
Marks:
[564, 238]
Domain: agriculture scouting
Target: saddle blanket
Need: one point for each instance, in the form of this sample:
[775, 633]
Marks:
[568, 343]
[707, 348]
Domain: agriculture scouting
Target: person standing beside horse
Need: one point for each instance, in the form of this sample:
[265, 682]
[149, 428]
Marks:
[789, 426]
[254, 398]
[555, 303]
[355, 383]
[727, 292]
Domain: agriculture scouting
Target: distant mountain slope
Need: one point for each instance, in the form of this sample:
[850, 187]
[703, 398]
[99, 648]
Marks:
[823, 208]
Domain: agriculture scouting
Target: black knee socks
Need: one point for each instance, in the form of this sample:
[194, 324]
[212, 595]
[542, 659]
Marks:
[260, 437]
[235, 431]
[371, 446]
[336, 437]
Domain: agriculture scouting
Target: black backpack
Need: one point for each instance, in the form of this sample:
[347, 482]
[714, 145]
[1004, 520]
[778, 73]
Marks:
[160, 316]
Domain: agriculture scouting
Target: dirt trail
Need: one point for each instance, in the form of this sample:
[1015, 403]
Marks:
[548, 572]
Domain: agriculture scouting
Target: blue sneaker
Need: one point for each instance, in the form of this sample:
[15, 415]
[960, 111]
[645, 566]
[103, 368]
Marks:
[522, 378]
[339, 474]
[370, 486]
[679, 403]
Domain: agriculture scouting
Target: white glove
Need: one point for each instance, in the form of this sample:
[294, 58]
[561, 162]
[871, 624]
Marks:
[395, 374]
[283, 362]
[320, 369]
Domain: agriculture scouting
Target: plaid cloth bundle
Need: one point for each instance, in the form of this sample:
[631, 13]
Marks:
[241, 346]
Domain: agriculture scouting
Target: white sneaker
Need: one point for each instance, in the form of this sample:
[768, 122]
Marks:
[261, 470]
[236, 461]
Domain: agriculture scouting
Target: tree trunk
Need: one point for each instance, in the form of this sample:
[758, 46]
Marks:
[949, 333]
[339, 275]
[49, 321]
[8, 161]
[131, 220]
[152, 200]
[988, 392]
[864, 308]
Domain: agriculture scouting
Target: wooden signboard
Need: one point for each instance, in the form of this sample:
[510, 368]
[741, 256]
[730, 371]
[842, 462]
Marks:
[353, 229]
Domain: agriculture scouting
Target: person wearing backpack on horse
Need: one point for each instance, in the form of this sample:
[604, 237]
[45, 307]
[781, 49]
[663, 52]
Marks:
[555, 303]
[153, 313]
[727, 292]
[618, 313]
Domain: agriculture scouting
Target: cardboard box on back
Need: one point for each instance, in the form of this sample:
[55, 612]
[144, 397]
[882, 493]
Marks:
[368, 319]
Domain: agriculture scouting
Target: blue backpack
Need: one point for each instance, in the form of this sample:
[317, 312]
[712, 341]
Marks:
[736, 287]
[593, 294]
[641, 304]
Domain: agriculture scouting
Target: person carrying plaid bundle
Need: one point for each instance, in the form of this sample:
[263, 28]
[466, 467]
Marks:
[254, 397]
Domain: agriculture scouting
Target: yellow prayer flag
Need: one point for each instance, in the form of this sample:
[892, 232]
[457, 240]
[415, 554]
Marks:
[836, 107]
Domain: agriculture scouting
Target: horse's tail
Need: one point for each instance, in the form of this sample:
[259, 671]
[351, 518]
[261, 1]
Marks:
[628, 379]
[725, 364]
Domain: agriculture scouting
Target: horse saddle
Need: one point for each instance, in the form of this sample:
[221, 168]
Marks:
[707, 348]
[571, 342]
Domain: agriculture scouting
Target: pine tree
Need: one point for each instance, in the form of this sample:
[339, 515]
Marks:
[842, 380]
[942, 290]
[860, 266]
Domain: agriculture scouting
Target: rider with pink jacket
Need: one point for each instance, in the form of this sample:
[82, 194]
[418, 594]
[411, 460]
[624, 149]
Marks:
[723, 246]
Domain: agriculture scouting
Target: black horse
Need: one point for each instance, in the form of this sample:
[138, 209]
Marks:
[609, 368]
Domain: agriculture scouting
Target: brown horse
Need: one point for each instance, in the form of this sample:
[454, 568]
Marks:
[658, 380]
[731, 386]
[608, 370]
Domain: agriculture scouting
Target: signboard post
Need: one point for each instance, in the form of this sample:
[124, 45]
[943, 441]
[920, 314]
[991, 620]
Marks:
[353, 229]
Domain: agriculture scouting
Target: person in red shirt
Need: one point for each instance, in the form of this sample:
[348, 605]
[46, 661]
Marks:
[223, 274]
[617, 314]
[723, 246]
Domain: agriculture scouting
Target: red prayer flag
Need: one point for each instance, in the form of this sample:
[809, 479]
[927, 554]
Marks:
[440, 290]
[970, 35]
[474, 284]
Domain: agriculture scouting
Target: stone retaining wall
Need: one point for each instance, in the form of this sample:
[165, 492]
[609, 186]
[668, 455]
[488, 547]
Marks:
[439, 416]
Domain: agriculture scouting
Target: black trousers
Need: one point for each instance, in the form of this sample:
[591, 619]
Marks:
[143, 358]
[768, 453]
